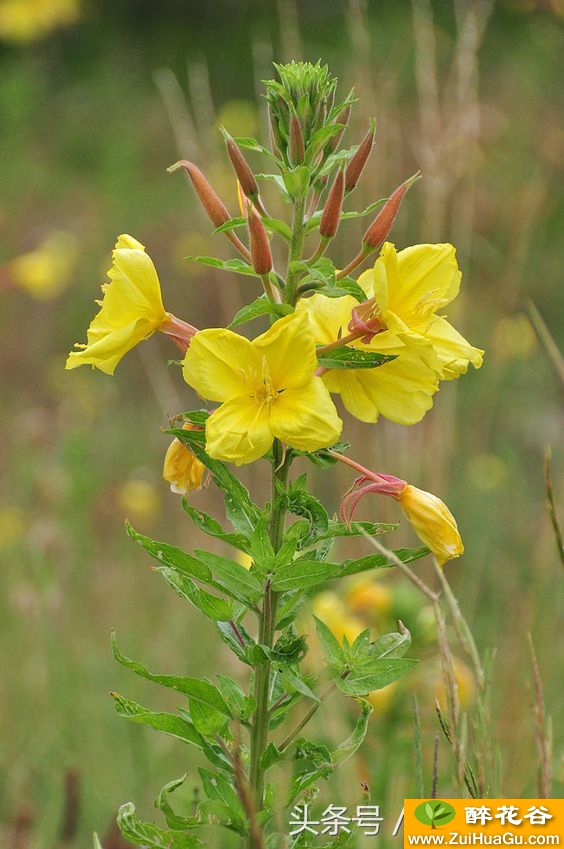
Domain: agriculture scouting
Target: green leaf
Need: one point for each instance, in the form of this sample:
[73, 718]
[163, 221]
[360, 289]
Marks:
[231, 577]
[232, 224]
[96, 842]
[344, 287]
[259, 307]
[229, 637]
[352, 358]
[301, 503]
[343, 752]
[315, 219]
[240, 705]
[168, 723]
[380, 561]
[330, 646]
[276, 225]
[294, 682]
[194, 688]
[374, 675]
[272, 755]
[320, 458]
[296, 180]
[241, 511]
[339, 529]
[174, 820]
[238, 266]
[301, 574]
[170, 555]
[429, 811]
[217, 609]
[277, 179]
[150, 836]
[214, 529]
[391, 645]
[320, 138]
[216, 787]
[262, 551]
[252, 144]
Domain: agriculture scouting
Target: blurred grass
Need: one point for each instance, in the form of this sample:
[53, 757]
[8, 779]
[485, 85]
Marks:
[85, 141]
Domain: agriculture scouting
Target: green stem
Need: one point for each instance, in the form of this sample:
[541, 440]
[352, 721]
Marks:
[296, 247]
[267, 630]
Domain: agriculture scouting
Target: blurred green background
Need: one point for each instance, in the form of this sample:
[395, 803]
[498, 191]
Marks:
[97, 99]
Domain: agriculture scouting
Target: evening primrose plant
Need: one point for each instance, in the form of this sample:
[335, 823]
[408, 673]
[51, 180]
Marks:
[381, 343]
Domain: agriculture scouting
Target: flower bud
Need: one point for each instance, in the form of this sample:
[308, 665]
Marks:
[297, 147]
[181, 467]
[261, 256]
[241, 167]
[359, 160]
[215, 208]
[332, 212]
[432, 521]
[378, 231]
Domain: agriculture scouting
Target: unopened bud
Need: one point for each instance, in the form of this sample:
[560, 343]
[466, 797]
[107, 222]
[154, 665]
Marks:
[241, 167]
[215, 208]
[378, 231]
[273, 134]
[332, 211]
[297, 147]
[359, 160]
[261, 256]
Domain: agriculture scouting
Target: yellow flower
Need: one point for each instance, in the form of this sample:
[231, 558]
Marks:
[432, 521]
[131, 309]
[401, 390]
[244, 559]
[369, 597]
[267, 389]
[409, 288]
[181, 467]
[46, 271]
[138, 498]
[22, 21]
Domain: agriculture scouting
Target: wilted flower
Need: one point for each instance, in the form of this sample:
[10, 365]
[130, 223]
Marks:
[181, 467]
[267, 389]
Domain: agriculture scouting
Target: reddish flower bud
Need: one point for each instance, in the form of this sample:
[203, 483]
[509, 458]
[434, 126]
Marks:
[215, 208]
[359, 160]
[261, 256]
[180, 331]
[378, 231]
[297, 147]
[332, 211]
[241, 167]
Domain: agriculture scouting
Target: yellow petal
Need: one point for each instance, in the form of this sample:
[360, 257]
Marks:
[108, 348]
[328, 316]
[419, 280]
[453, 350]
[306, 417]
[433, 522]
[289, 349]
[401, 390]
[131, 309]
[238, 431]
[219, 364]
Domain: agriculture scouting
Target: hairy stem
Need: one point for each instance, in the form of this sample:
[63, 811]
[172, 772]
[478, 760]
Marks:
[267, 630]
[296, 247]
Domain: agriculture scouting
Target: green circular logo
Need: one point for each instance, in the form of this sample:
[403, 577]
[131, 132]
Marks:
[434, 813]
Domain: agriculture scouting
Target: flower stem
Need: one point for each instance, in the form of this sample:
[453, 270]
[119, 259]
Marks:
[296, 247]
[267, 630]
